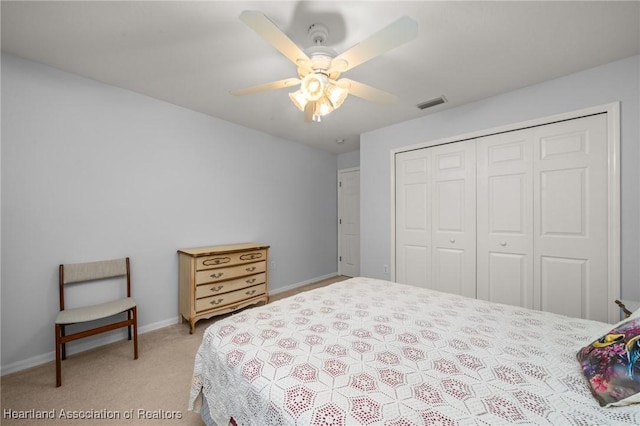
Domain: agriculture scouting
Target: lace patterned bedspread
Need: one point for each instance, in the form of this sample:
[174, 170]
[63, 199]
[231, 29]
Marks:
[372, 352]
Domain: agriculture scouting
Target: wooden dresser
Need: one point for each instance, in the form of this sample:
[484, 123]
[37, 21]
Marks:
[216, 280]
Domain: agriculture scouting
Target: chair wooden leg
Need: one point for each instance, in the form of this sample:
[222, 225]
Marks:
[64, 345]
[129, 315]
[58, 356]
[135, 332]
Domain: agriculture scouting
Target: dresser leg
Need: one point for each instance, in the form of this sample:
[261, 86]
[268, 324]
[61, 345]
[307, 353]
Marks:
[192, 326]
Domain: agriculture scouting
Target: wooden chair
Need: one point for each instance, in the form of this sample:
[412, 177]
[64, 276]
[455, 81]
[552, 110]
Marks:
[85, 273]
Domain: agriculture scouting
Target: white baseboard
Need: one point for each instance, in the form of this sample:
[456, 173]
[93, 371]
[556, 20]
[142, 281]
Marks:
[300, 284]
[85, 345]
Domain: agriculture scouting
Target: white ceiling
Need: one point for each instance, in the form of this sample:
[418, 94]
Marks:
[192, 53]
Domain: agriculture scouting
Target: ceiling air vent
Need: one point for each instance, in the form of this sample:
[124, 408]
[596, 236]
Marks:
[433, 102]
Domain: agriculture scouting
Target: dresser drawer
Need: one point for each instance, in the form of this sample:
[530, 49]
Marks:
[230, 298]
[222, 260]
[206, 290]
[220, 274]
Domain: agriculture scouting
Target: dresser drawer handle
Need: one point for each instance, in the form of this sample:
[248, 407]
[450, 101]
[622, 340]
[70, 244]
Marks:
[218, 275]
[251, 256]
[250, 292]
[250, 269]
[250, 281]
[218, 288]
[216, 302]
[216, 261]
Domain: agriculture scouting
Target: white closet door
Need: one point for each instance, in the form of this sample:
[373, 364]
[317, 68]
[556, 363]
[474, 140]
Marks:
[413, 218]
[542, 209]
[570, 217]
[505, 218]
[453, 213]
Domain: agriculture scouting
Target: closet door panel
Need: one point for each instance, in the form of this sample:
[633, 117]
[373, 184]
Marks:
[564, 285]
[413, 218]
[454, 218]
[563, 202]
[505, 218]
[414, 265]
[508, 280]
[448, 270]
[570, 217]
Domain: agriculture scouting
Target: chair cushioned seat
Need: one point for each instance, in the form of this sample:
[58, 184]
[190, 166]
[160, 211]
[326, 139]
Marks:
[90, 313]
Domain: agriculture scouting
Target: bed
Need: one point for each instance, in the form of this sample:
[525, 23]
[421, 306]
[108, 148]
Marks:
[373, 352]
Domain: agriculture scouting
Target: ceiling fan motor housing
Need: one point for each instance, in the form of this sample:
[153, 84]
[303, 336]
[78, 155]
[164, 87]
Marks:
[319, 54]
[318, 34]
[320, 58]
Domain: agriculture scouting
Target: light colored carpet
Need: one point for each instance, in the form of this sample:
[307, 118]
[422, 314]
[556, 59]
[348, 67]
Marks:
[108, 382]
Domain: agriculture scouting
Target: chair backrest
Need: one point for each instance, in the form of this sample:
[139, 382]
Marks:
[91, 271]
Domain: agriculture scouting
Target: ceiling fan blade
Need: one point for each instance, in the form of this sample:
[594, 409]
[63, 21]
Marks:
[401, 31]
[367, 92]
[266, 29]
[280, 84]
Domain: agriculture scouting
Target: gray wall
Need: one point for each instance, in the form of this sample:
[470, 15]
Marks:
[349, 160]
[90, 171]
[618, 81]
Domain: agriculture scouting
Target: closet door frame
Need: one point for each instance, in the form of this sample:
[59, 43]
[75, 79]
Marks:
[613, 183]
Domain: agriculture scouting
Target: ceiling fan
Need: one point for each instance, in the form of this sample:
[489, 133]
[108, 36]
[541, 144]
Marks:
[319, 66]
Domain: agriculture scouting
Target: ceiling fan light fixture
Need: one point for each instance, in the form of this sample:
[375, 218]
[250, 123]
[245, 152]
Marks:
[336, 95]
[323, 107]
[299, 99]
[313, 85]
[325, 95]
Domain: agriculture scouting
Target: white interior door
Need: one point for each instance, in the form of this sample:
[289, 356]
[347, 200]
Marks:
[349, 222]
[453, 213]
[570, 217]
[505, 218]
[413, 218]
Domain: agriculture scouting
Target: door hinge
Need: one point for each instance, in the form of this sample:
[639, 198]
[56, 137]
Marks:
[340, 184]
[340, 258]
[339, 221]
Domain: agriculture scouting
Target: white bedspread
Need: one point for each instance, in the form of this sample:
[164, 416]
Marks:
[372, 352]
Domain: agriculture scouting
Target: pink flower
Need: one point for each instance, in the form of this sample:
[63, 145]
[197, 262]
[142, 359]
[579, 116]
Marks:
[599, 383]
